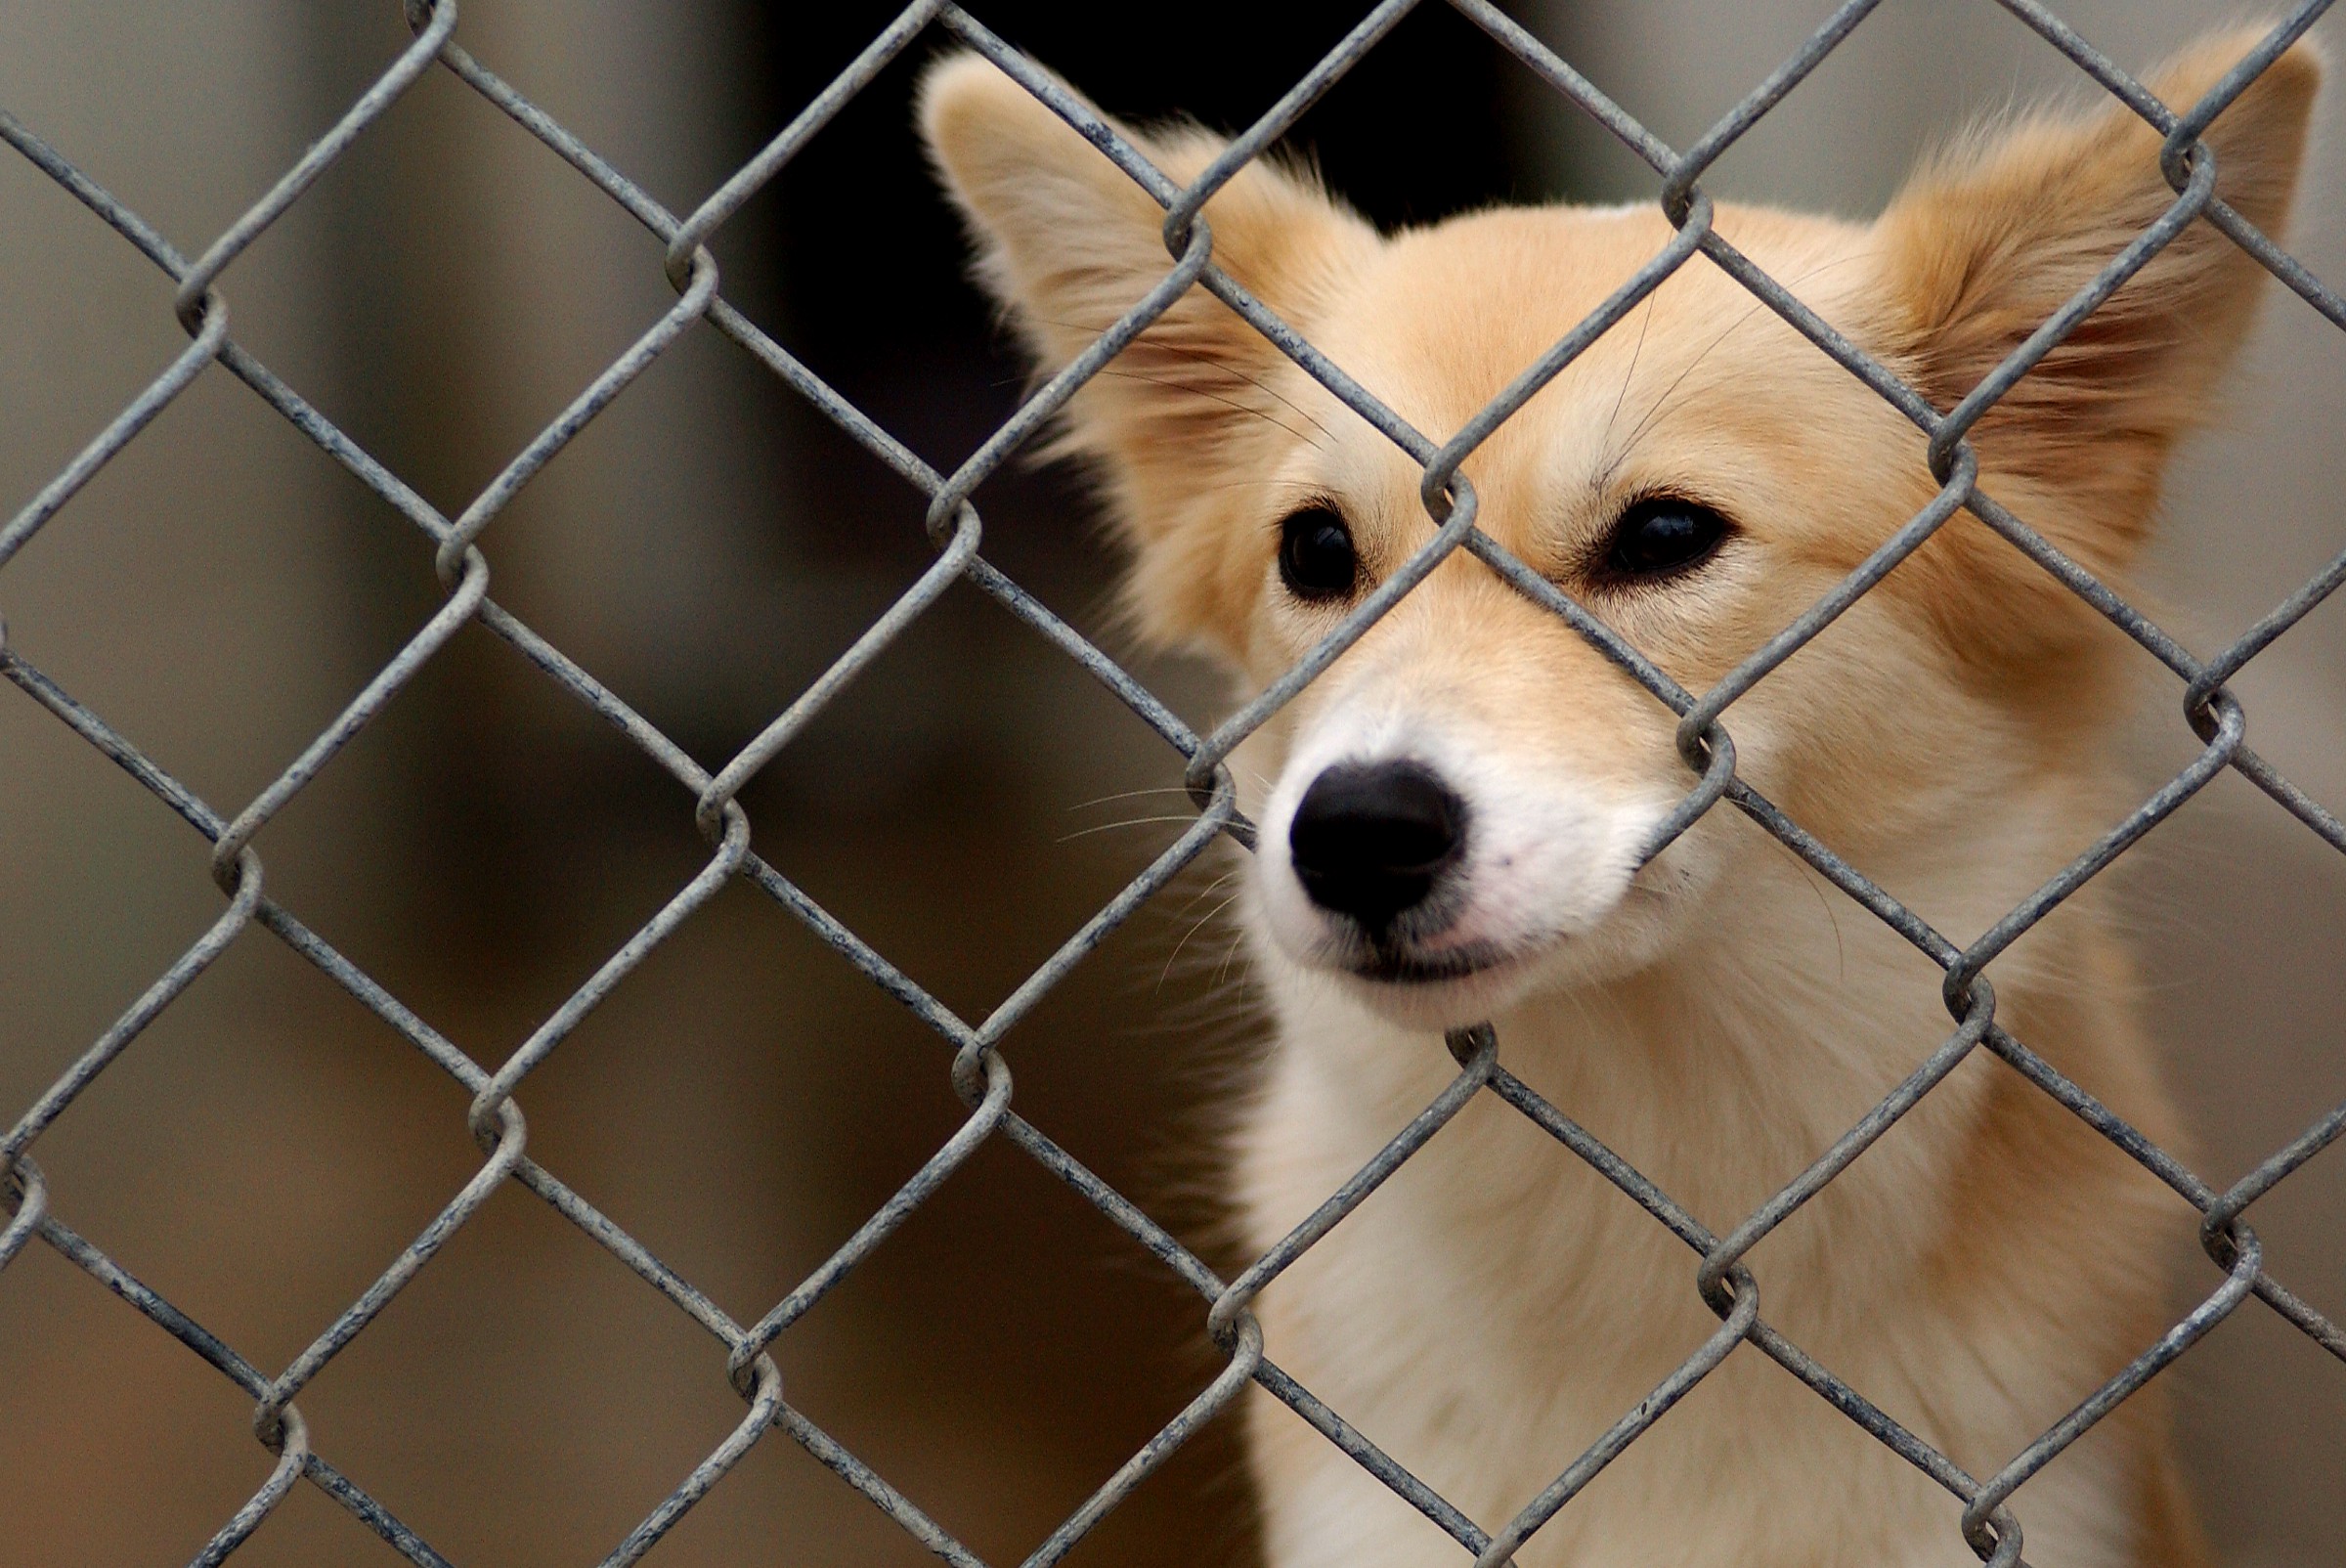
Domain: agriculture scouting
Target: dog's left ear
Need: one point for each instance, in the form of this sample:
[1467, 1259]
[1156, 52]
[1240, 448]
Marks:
[1991, 240]
[1066, 243]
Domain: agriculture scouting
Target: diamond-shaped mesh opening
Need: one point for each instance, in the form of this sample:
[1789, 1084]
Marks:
[2243, 862]
[998, 837]
[97, 832]
[564, 1399]
[101, 1401]
[90, 326]
[708, 1093]
[2257, 1487]
[262, 1067]
[223, 598]
[1082, 1312]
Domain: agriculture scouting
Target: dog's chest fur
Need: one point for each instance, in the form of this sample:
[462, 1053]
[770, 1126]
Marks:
[1490, 1311]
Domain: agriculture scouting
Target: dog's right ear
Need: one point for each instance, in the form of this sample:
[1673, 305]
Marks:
[1068, 242]
[1992, 239]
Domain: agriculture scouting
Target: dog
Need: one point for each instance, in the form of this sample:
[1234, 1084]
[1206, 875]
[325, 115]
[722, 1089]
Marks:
[1453, 817]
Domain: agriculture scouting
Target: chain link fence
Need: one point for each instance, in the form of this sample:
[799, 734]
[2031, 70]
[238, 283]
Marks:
[978, 1067]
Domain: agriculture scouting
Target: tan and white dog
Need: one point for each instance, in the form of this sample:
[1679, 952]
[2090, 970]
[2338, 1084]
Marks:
[1451, 816]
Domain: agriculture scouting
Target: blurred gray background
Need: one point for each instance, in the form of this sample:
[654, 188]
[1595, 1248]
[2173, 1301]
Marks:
[706, 548]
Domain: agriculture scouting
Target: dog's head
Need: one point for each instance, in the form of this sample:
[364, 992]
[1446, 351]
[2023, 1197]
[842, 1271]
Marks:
[1459, 807]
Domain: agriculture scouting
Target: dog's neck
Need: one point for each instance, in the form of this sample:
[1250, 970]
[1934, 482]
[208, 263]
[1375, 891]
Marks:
[1722, 1070]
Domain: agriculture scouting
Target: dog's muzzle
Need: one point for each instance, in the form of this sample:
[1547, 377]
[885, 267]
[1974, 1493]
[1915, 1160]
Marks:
[1373, 840]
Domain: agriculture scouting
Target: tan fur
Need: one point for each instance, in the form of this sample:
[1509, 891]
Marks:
[1716, 1017]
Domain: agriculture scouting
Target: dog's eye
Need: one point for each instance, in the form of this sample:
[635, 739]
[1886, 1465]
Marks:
[1316, 557]
[1660, 537]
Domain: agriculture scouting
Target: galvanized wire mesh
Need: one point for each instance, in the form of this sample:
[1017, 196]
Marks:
[978, 1069]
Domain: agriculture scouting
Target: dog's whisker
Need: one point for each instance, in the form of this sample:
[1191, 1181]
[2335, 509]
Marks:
[1268, 483]
[1203, 922]
[1238, 942]
[1237, 373]
[1130, 795]
[1646, 319]
[1127, 822]
[1638, 433]
[1213, 888]
[1187, 390]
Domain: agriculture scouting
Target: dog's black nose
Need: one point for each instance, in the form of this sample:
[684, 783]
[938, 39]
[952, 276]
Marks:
[1369, 839]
